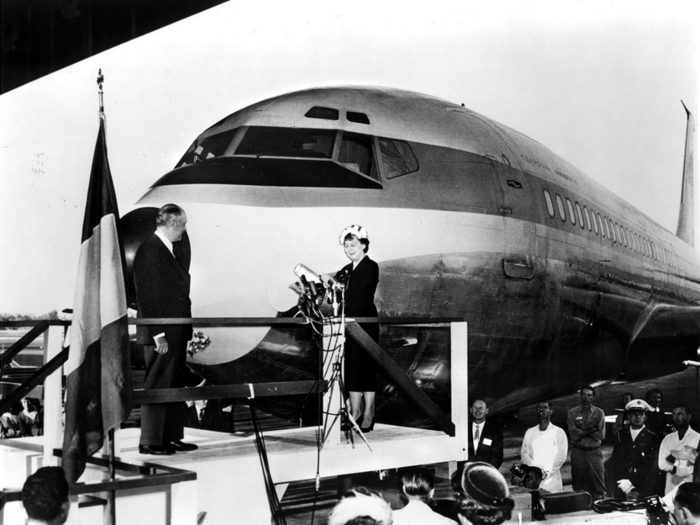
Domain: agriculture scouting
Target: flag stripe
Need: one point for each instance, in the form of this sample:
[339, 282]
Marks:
[98, 300]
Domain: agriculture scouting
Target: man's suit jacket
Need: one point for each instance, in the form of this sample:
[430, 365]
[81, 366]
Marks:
[162, 290]
[490, 447]
[636, 460]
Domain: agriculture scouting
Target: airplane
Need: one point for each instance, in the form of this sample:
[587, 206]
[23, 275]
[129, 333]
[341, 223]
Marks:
[562, 283]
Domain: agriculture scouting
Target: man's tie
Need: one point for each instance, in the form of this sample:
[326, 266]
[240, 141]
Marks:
[476, 434]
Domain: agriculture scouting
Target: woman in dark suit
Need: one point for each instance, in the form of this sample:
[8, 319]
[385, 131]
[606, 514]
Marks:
[361, 277]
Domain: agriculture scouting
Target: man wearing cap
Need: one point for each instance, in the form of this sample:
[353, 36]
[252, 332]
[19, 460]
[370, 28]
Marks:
[482, 495]
[545, 446]
[586, 424]
[635, 455]
[679, 449]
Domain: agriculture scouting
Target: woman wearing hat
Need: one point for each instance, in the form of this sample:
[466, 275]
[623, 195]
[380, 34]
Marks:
[361, 277]
[481, 495]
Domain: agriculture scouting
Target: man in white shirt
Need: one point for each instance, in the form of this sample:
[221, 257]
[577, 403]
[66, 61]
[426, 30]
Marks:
[679, 449]
[545, 446]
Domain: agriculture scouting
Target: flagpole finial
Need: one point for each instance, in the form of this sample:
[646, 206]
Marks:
[100, 81]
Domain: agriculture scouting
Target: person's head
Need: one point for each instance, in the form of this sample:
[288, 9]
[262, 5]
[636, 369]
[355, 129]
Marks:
[637, 410]
[626, 398]
[653, 397]
[544, 411]
[31, 404]
[46, 496]
[681, 416]
[587, 395]
[171, 221]
[355, 241]
[686, 504]
[481, 493]
[478, 409]
[419, 484]
[360, 506]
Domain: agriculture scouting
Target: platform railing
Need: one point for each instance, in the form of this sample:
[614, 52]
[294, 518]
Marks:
[55, 352]
[239, 391]
[353, 329]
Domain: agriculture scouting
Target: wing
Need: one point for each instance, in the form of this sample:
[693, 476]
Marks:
[664, 337]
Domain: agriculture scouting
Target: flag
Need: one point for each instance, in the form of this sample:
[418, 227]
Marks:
[99, 395]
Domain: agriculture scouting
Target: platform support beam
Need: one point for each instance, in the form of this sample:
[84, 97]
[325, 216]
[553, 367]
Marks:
[53, 396]
[460, 384]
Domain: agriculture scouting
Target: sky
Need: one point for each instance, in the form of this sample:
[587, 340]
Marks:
[599, 83]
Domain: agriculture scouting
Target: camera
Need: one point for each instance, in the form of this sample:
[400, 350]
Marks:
[518, 471]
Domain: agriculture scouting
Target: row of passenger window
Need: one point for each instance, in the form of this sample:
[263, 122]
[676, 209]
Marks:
[606, 228]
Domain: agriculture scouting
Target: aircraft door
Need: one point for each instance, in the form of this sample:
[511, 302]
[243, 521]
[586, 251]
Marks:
[518, 210]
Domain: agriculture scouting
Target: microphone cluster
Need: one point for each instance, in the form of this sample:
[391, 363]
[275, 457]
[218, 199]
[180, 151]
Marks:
[313, 290]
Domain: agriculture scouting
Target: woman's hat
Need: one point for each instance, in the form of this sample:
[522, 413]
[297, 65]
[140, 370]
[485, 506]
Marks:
[484, 484]
[355, 230]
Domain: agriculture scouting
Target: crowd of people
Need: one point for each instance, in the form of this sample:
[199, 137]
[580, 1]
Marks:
[649, 458]
[481, 497]
[23, 421]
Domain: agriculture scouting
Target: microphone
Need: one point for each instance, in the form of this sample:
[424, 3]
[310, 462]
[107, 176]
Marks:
[301, 270]
[309, 280]
[342, 277]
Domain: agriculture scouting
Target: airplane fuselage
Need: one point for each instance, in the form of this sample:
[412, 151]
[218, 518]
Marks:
[561, 282]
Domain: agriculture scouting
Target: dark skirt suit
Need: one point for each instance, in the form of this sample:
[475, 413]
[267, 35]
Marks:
[360, 368]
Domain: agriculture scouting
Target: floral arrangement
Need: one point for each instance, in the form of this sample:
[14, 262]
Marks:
[198, 343]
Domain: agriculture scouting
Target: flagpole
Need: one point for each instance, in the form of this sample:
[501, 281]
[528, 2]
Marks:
[112, 495]
[100, 81]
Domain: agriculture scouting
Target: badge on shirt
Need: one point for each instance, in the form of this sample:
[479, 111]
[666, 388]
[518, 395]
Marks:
[487, 442]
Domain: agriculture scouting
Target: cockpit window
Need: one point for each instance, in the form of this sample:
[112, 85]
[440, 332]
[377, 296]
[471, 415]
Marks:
[354, 116]
[356, 153]
[323, 113]
[208, 148]
[397, 158]
[287, 142]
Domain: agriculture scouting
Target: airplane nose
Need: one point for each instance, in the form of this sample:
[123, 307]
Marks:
[228, 343]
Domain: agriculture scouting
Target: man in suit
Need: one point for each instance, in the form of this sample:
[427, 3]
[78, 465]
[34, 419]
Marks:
[209, 415]
[656, 418]
[635, 456]
[485, 439]
[162, 284]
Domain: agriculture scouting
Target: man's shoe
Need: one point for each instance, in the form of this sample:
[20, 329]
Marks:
[155, 450]
[181, 446]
